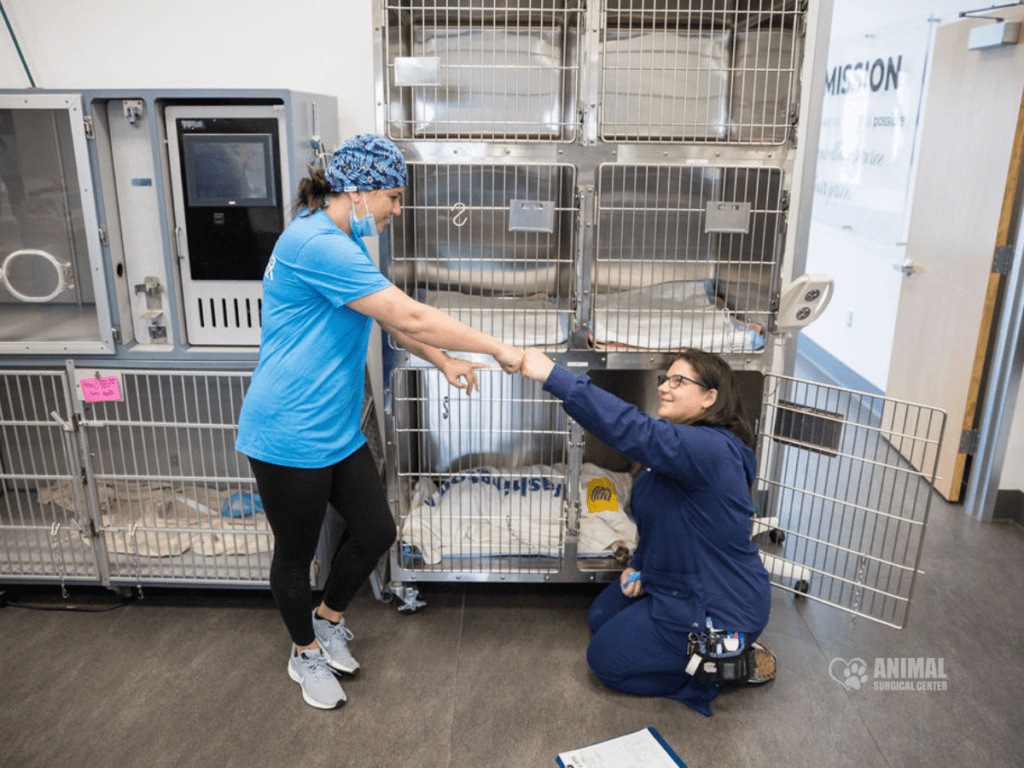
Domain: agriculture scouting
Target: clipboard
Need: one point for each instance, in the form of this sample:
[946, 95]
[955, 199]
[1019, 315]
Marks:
[642, 749]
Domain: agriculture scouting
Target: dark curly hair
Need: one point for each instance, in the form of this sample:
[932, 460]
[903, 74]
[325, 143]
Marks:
[727, 411]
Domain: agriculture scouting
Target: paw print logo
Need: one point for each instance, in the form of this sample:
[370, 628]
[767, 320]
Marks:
[849, 674]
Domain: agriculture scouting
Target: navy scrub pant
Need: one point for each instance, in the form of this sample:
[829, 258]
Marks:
[633, 653]
[295, 502]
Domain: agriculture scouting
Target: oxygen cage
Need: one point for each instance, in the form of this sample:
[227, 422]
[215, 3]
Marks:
[612, 182]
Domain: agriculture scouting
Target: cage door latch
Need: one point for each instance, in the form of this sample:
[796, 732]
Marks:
[132, 110]
[152, 288]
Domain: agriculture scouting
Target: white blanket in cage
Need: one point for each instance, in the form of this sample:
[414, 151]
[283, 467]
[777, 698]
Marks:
[666, 84]
[670, 316]
[492, 512]
[153, 519]
[533, 322]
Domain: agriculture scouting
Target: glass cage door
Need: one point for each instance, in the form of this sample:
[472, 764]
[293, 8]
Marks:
[53, 297]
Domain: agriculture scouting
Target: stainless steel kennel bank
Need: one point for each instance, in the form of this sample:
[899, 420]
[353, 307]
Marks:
[611, 180]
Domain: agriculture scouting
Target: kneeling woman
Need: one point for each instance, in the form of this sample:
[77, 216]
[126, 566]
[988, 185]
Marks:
[694, 561]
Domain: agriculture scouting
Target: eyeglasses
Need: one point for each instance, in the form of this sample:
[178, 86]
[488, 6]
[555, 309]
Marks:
[674, 382]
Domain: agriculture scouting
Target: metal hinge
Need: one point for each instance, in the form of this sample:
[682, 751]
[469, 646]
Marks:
[89, 133]
[115, 332]
[103, 236]
[1002, 260]
[969, 439]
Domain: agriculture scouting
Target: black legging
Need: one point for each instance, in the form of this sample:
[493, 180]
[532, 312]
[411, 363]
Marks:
[295, 501]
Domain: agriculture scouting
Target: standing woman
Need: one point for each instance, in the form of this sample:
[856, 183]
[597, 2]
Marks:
[694, 560]
[300, 422]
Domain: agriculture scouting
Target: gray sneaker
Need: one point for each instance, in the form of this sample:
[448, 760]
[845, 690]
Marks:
[334, 642]
[320, 688]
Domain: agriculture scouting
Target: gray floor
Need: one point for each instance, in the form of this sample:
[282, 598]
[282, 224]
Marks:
[495, 675]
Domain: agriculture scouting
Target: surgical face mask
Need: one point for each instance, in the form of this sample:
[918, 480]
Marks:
[364, 231]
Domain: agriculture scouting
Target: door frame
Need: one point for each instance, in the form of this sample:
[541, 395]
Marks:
[998, 398]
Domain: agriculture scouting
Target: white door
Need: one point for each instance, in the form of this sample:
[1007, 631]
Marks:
[970, 159]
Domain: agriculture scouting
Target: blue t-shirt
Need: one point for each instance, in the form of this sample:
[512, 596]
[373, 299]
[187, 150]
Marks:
[304, 404]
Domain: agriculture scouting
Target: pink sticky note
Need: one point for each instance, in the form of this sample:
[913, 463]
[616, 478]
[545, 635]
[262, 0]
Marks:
[102, 388]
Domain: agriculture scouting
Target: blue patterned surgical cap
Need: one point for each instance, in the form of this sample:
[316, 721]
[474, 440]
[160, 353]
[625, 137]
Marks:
[366, 162]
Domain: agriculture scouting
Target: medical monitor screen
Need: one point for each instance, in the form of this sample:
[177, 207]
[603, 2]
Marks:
[229, 170]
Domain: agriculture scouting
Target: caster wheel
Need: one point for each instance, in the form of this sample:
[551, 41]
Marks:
[801, 587]
[775, 536]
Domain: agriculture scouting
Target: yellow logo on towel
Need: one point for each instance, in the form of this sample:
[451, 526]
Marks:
[601, 496]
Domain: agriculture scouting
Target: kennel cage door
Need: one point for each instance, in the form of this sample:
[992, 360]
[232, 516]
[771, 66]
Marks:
[843, 493]
[53, 297]
[227, 167]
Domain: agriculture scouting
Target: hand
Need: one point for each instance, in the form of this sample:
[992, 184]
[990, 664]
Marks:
[634, 589]
[537, 365]
[509, 358]
[455, 370]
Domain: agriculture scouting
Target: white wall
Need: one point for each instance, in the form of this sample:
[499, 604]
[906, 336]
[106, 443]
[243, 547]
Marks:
[857, 329]
[318, 46]
[1012, 477]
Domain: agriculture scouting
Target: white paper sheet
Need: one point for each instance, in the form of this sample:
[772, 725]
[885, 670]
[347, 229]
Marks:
[634, 750]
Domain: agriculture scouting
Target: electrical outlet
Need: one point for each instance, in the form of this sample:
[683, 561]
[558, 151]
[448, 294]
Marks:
[849, 318]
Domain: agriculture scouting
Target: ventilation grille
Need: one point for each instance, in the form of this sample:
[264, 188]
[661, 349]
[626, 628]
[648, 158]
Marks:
[221, 312]
[224, 313]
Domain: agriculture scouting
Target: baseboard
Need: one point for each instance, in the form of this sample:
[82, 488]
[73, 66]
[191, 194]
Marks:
[1009, 506]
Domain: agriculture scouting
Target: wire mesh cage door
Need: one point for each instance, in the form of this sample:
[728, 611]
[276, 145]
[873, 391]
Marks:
[685, 257]
[492, 246]
[844, 489]
[703, 71]
[481, 484]
[45, 531]
[478, 70]
[177, 503]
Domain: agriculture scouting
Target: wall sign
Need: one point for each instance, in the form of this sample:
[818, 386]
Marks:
[870, 115]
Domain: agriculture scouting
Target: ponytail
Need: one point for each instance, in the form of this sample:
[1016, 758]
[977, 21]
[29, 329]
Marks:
[313, 191]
